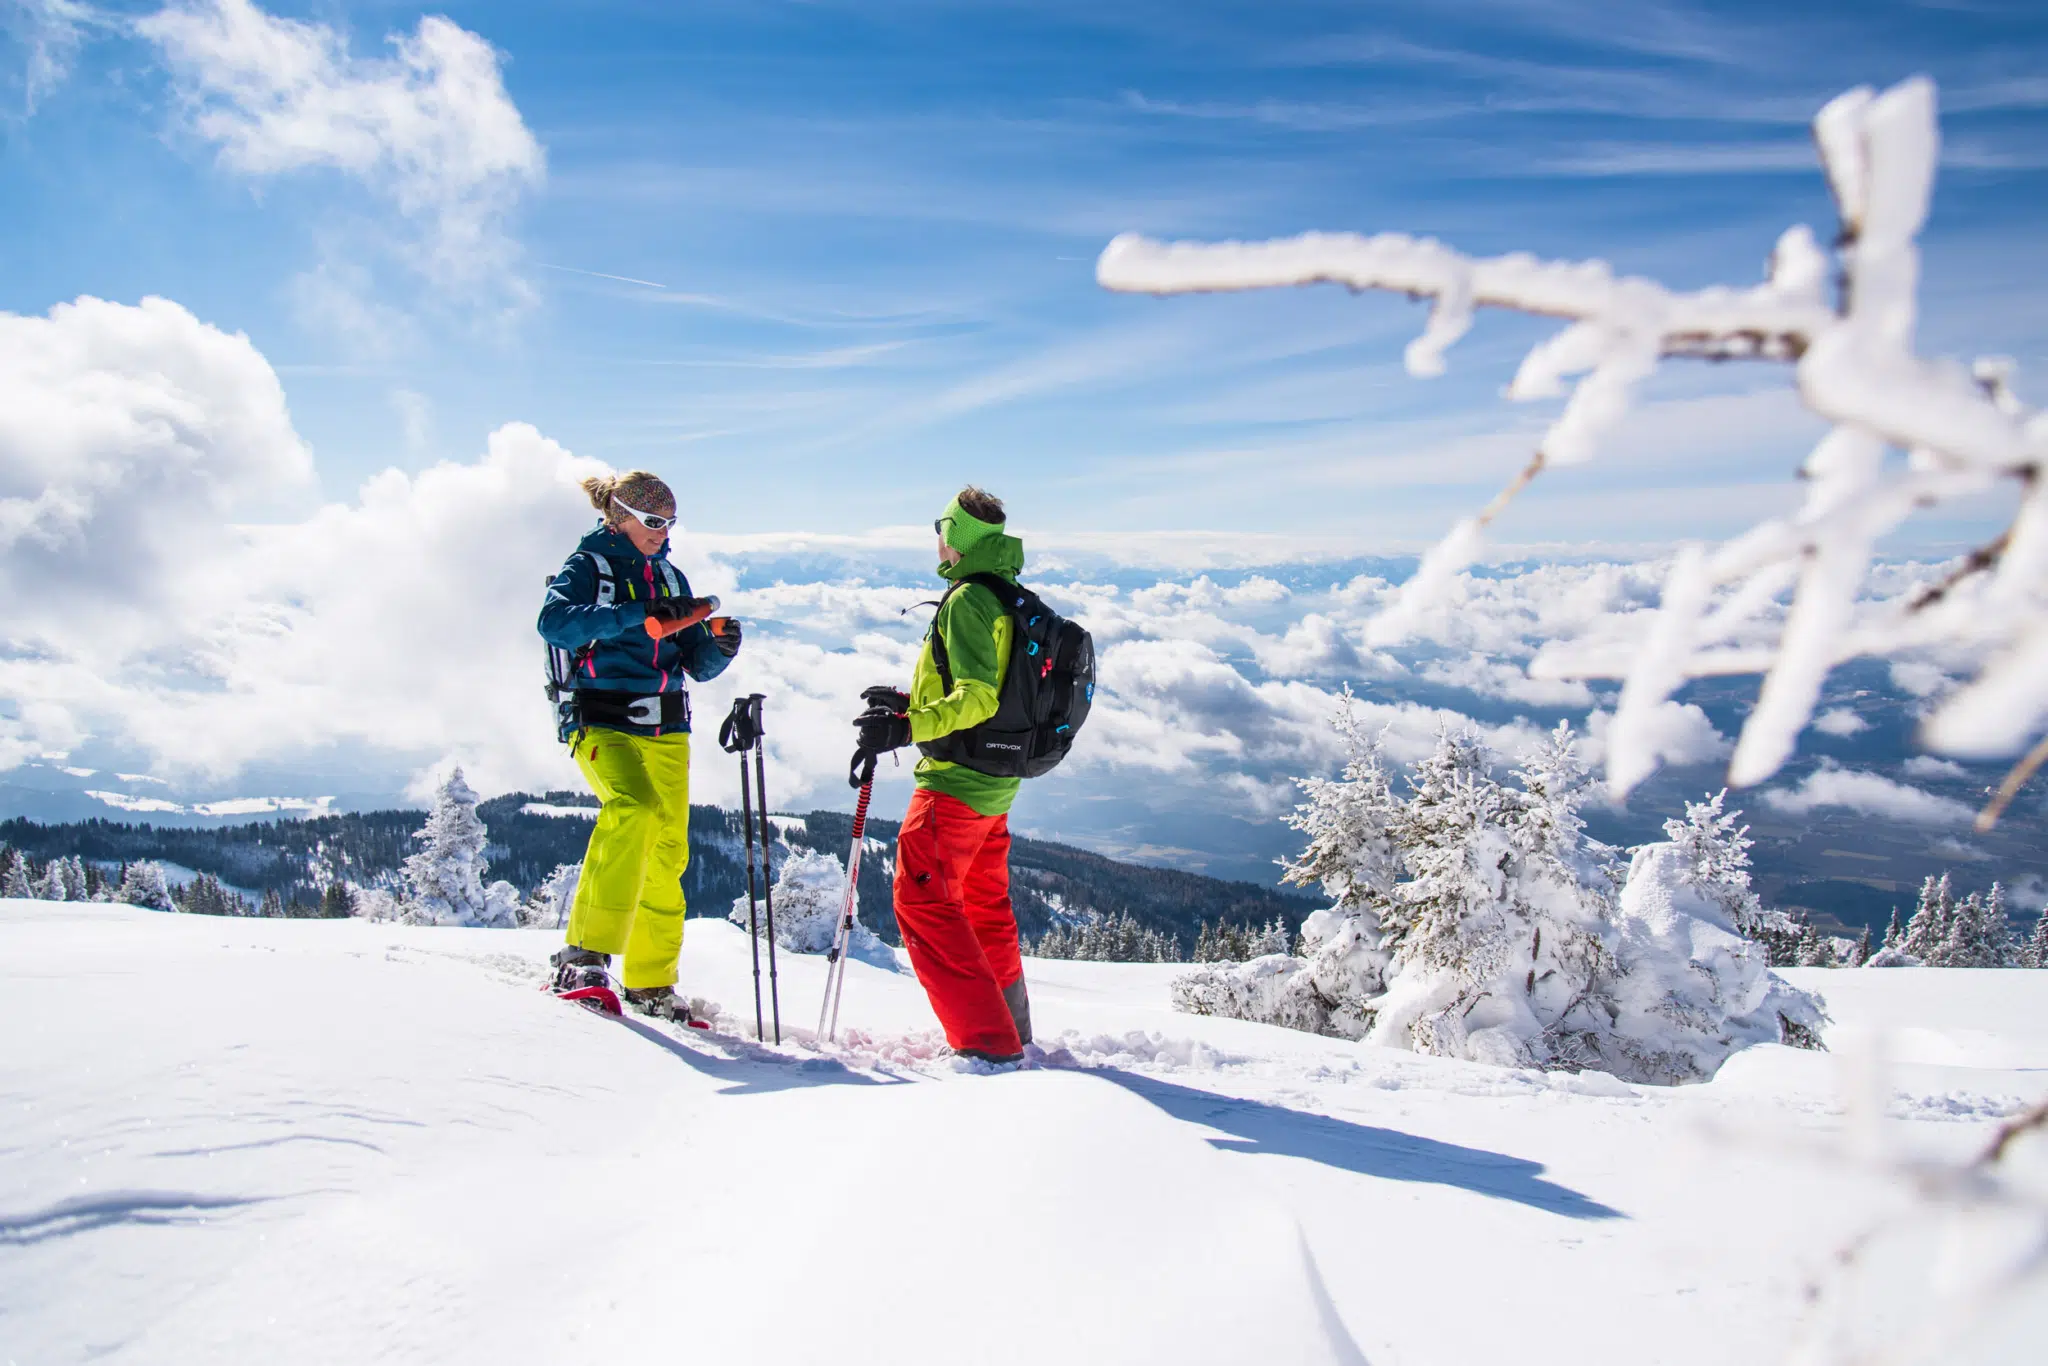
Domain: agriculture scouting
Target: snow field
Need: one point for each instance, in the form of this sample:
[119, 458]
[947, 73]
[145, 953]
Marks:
[320, 1141]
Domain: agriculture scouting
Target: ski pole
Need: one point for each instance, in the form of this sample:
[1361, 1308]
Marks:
[862, 776]
[737, 736]
[767, 873]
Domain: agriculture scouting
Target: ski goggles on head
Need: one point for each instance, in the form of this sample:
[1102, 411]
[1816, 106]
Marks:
[939, 524]
[653, 521]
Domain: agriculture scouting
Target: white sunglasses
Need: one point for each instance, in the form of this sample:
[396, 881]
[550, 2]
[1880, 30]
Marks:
[653, 521]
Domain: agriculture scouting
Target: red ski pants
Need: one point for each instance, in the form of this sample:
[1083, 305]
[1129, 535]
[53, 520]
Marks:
[953, 907]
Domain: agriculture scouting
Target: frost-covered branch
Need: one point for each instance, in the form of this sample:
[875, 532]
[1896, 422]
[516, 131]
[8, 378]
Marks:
[1991, 1225]
[1963, 432]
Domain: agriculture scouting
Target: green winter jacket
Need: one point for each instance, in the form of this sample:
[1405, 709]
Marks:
[977, 633]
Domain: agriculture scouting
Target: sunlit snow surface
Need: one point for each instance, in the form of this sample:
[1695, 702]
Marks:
[244, 1140]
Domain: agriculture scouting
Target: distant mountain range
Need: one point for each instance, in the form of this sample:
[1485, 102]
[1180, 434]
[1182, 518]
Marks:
[532, 835]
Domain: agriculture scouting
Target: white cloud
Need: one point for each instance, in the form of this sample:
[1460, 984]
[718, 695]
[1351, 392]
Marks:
[1920, 677]
[1677, 733]
[429, 129]
[1869, 794]
[1840, 721]
[1927, 766]
[49, 34]
[130, 440]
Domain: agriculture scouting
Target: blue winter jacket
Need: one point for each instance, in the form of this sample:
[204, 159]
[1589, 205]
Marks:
[613, 651]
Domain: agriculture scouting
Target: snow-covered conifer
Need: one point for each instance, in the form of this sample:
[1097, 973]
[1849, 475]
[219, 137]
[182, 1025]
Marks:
[52, 886]
[444, 881]
[1275, 937]
[77, 885]
[1861, 953]
[143, 884]
[16, 879]
[1816, 950]
[1928, 929]
[1895, 931]
[1977, 935]
[2035, 952]
[1497, 936]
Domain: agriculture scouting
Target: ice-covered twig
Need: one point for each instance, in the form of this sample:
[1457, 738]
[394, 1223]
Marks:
[1963, 431]
[1952, 1197]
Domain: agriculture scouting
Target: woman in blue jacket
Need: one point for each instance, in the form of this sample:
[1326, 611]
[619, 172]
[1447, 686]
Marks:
[627, 636]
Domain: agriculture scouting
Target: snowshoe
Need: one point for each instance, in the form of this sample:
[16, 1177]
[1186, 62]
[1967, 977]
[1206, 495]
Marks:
[585, 978]
[662, 1003]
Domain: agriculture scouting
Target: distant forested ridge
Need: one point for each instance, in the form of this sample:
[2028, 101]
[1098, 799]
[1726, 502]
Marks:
[1052, 884]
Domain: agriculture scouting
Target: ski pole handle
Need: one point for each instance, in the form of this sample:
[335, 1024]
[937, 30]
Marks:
[861, 773]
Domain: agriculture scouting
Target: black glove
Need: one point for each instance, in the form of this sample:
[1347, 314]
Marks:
[882, 730]
[895, 699]
[725, 634]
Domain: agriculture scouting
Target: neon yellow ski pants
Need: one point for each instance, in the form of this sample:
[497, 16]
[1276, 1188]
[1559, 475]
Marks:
[630, 899]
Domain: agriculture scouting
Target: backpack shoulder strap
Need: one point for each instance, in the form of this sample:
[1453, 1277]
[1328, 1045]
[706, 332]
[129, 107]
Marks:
[607, 585]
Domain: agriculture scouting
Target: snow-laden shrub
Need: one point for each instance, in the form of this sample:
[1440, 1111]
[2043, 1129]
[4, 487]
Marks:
[1476, 920]
[810, 895]
[1691, 989]
[444, 881]
[548, 907]
[1272, 989]
[378, 904]
[144, 884]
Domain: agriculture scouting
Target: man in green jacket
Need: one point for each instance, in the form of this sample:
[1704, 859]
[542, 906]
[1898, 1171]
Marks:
[953, 855]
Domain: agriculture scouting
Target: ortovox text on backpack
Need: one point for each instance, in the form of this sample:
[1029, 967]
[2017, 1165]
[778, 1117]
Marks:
[1045, 695]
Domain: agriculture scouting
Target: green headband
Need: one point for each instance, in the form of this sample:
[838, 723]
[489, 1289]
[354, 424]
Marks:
[964, 530]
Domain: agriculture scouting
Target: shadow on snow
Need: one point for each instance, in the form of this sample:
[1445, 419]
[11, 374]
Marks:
[1256, 1127]
[84, 1213]
[758, 1070]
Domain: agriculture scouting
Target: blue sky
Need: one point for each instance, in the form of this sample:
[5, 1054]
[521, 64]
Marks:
[867, 234]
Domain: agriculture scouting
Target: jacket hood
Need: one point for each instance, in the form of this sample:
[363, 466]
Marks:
[993, 554]
[984, 547]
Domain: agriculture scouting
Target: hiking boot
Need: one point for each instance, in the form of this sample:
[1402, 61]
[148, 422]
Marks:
[578, 968]
[993, 1059]
[661, 1003]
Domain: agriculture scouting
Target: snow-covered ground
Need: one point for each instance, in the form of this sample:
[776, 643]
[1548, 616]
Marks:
[315, 1141]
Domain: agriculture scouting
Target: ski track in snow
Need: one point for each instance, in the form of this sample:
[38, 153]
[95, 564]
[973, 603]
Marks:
[339, 1141]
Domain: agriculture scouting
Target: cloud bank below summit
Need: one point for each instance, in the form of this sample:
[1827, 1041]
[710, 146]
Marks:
[183, 604]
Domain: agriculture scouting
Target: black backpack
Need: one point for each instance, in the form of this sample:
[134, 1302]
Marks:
[1045, 696]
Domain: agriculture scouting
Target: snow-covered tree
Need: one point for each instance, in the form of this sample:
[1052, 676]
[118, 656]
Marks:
[2034, 954]
[17, 881]
[1895, 932]
[810, 897]
[1496, 936]
[337, 901]
[1273, 937]
[444, 881]
[52, 886]
[143, 884]
[1977, 936]
[204, 895]
[1933, 917]
[1845, 319]
[77, 882]
[548, 907]
[1815, 950]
